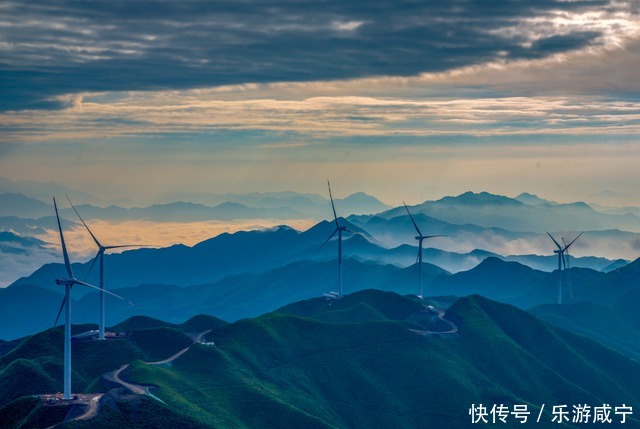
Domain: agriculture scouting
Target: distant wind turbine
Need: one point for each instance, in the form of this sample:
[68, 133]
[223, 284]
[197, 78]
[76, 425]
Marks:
[68, 283]
[566, 264]
[561, 260]
[420, 239]
[100, 256]
[339, 229]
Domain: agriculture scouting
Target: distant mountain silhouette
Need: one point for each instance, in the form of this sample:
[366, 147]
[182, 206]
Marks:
[534, 200]
[184, 212]
[312, 205]
[231, 298]
[14, 204]
[489, 210]
[208, 261]
[13, 243]
[42, 191]
[28, 227]
[251, 294]
[21, 256]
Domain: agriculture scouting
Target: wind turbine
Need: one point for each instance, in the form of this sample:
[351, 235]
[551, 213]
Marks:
[560, 251]
[100, 256]
[566, 263]
[420, 239]
[68, 283]
[339, 229]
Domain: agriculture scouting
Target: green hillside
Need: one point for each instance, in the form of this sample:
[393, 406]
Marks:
[201, 323]
[367, 305]
[280, 370]
[332, 364]
[614, 325]
[35, 365]
[27, 412]
[24, 377]
[139, 322]
[159, 343]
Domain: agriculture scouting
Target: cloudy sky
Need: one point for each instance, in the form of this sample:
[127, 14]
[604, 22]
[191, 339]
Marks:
[408, 100]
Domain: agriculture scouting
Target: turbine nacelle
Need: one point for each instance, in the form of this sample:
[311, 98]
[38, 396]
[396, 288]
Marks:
[66, 281]
[332, 295]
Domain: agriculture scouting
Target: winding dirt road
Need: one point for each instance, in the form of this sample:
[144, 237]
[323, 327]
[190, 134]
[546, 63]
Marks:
[92, 408]
[440, 315]
[92, 402]
[134, 388]
[143, 390]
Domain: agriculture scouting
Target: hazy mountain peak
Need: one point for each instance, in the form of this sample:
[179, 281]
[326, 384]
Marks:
[230, 205]
[283, 227]
[480, 198]
[16, 204]
[10, 237]
[533, 200]
[362, 196]
[360, 203]
[579, 205]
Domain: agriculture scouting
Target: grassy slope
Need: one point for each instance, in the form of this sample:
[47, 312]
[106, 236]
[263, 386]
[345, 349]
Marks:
[134, 412]
[287, 371]
[367, 305]
[614, 325]
[281, 370]
[159, 343]
[139, 322]
[35, 365]
[28, 413]
[201, 323]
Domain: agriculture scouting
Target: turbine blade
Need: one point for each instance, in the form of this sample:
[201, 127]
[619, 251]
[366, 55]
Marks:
[67, 264]
[82, 220]
[92, 264]
[57, 318]
[126, 245]
[335, 216]
[412, 220]
[434, 236]
[102, 290]
[322, 245]
[567, 246]
[564, 261]
[554, 240]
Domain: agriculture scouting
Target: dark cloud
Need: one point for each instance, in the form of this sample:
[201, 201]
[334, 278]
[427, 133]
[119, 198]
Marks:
[51, 48]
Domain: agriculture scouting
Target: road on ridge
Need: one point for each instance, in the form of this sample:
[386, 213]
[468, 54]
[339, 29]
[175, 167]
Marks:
[440, 315]
[142, 390]
[92, 408]
[93, 401]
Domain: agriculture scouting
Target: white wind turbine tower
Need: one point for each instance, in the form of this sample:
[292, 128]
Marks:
[100, 256]
[339, 229]
[420, 239]
[566, 264]
[560, 251]
[68, 283]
